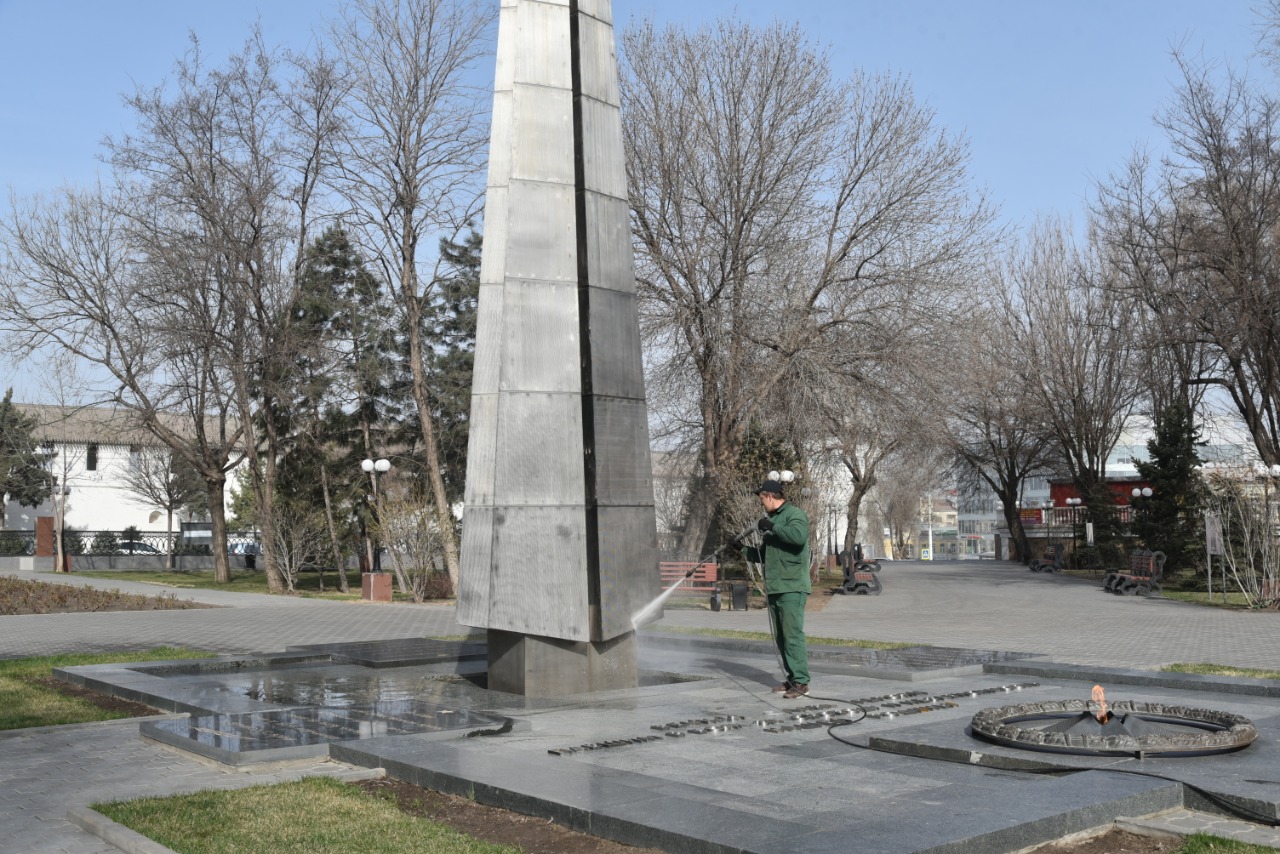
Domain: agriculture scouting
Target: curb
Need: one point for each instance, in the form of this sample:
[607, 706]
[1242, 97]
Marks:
[55, 728]
[128, 841]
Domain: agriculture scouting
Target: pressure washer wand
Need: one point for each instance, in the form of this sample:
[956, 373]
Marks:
[745, 532]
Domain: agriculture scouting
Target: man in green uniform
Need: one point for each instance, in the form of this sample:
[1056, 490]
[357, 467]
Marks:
[785, 555]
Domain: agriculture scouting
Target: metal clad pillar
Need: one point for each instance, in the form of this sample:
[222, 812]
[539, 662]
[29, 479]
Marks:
[559, 544]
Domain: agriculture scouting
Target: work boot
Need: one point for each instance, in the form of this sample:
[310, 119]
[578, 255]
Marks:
[783, 688]
[796, 692]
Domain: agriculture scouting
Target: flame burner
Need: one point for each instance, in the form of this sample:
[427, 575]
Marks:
[1125, 728]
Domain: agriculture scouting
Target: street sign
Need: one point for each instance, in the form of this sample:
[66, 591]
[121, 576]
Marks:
[1213, 534]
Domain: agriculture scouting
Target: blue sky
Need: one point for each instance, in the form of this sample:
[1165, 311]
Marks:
[1050, 94]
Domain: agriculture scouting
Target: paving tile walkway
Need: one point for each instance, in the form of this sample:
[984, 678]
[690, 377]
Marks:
[998, 605]
[984, 605]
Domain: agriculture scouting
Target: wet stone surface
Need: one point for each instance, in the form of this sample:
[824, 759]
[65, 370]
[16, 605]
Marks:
[295, 727]
[707, 757]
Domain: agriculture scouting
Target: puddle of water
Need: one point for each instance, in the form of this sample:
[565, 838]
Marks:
[296, 727]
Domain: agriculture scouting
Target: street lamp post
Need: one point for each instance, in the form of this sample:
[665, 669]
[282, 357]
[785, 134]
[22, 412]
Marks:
[929, 510]
[375, 469]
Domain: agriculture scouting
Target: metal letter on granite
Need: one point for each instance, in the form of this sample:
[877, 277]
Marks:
[559, 544]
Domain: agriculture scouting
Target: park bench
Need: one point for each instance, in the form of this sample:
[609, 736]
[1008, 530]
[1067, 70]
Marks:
[1145, 569]
[703, 579]
[861, 580]
[1050, 561]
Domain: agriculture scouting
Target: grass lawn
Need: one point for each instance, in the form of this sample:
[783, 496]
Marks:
[1221, 670]
[1201, 844]
[242, 581]
[1200, 597]
[313, 814]
[26, 701]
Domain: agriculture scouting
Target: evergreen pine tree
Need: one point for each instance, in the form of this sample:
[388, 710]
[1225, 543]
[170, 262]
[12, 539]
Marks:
[1169, 520]
[345, 404]
[451, 332]
[23, 477]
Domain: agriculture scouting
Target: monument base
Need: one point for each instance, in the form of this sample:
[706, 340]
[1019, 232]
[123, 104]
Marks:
[551, 667]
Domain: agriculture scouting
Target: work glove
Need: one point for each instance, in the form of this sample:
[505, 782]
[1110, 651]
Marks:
[765, 525]
[736, 544]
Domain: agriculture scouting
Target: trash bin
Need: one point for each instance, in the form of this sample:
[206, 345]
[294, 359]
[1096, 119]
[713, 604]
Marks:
[739, 592]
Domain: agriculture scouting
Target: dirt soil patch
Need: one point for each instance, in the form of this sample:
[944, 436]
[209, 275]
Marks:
[19, 596]
[493, 824]
[1113, 842]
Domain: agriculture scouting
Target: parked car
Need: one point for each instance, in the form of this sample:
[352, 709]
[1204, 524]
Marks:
[137, 547]
[244, 549]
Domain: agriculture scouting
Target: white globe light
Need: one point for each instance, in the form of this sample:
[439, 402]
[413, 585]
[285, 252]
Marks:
[1146, 492]
[773, 475]
[382, 465]
[788, 476]
[1137, 492]
[366, 465]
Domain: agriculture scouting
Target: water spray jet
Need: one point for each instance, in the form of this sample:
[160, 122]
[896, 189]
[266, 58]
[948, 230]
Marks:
[650, 612]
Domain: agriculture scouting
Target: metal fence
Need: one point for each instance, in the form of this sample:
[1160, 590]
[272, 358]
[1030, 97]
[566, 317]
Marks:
[18, 543]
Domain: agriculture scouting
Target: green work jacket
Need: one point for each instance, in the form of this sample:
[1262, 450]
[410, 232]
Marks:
[785, 552]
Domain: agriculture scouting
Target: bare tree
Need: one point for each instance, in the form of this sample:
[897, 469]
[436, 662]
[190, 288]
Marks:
[232, 158]
[159, 478]
[852, 413]
[1246, 505]
[1073, 357]
[1169, 355]
[300, 542]
[412, 159]
[909, 477]
[1196, 237]
[772, 207]
[73, 279]
[411, 536]
[994, 430]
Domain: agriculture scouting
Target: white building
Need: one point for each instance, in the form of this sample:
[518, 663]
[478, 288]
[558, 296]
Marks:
[91, 449]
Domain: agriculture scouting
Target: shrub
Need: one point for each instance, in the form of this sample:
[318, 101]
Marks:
[13, 543]
[72, 542]
[104, 543]
[432, 585]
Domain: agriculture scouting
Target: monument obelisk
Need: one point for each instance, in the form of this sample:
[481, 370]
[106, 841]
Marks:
[559, 544]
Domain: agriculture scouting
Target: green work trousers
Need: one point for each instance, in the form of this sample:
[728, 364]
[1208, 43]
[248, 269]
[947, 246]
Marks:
[786, 612]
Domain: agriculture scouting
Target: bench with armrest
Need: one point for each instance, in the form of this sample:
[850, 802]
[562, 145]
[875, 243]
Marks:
[703, 579]
[1143, 576]
[1050, 561]
[861, 579]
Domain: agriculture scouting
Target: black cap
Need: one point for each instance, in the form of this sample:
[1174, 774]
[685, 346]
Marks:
[770, 486]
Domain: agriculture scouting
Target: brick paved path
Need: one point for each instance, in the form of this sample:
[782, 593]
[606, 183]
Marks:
[1003, 606]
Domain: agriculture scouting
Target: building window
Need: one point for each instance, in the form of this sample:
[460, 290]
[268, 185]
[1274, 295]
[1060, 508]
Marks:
[135, 457]
[91, 457]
